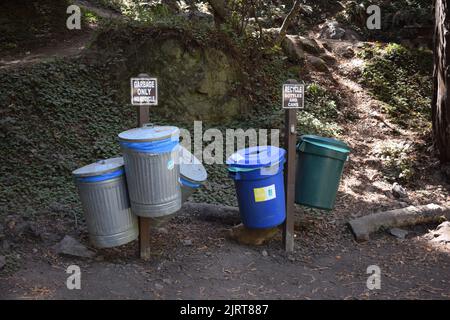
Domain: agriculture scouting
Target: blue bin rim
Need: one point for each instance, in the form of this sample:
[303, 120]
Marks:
[102, 177]
[187, 183]
[256, 157]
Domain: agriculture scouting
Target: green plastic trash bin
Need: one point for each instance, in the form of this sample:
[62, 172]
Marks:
[320, 164]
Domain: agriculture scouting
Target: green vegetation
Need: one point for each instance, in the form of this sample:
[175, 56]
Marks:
[321, 113]
[399, 161]
[395, 16]
[64, 115]
[401, 78]
[30, 22]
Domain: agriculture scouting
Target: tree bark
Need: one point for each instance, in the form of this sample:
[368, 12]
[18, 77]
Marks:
[287, 21]
[362, 227]
[220, 10]
[441, 75]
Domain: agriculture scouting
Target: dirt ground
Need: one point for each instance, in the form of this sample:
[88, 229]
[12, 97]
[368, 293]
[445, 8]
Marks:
[327, 263]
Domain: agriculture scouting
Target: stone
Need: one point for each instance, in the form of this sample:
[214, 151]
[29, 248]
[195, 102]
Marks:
[159, 286]
[399, 233]
[199, 81]
[272, 32]
[264, 253]
[327, 58]
[333, 30]
[2, 262]
[256, 237]
[187, 242]
[442, 233]
[71, 247]
[317, 63]
[162, 231]
[309, 45]
[398, 191]
[6, 246]
[351, 35]
[348, 53]
[293, 49]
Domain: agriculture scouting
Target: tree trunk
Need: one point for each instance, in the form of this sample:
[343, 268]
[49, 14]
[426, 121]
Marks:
[287, 21]
[441, 95]
[220, 10]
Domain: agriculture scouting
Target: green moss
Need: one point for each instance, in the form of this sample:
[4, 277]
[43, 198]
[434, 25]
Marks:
[402, 78]
[322, 112]
[56, 116]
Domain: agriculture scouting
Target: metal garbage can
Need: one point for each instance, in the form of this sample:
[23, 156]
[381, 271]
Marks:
[150, 154]
[320, 164]
[104, 197]
[258, 176]
[192, 173]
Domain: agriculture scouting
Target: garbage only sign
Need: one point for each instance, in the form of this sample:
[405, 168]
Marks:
[144, 91]
[293, 96]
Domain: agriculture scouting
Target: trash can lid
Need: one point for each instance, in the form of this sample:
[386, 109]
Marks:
[148, 133]
[256, 157]
[191, 168]
[328, 143]
[100, 167]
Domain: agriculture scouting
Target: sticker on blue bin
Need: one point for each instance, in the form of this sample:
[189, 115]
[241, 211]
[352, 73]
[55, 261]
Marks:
[265, 194]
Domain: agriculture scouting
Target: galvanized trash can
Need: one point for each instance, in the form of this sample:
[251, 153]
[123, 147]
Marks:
[150, 154]
[104, 197]
[192, 173]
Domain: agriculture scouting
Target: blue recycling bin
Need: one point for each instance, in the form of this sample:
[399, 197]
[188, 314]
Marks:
[258, 176]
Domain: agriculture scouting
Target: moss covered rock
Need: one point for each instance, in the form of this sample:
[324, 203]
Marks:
[195, 81]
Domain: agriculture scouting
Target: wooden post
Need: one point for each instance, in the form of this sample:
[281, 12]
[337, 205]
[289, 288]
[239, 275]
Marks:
[144, 223]
[290, 140]
[143, 111]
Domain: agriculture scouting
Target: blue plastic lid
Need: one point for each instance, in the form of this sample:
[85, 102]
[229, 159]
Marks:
[150, 133]
[256, 157]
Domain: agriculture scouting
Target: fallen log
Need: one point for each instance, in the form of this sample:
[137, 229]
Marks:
[362, 227]
[213, 213]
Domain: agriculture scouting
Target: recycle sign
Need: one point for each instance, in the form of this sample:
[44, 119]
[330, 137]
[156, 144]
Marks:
[293, 96]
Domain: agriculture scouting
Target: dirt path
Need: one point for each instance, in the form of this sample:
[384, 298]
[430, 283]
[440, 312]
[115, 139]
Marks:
[71, 44]
[214, 267]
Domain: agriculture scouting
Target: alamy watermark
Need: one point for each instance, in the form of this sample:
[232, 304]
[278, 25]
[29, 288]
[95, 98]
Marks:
[374, 280]
[374, 20]
[214, 146]
[73, 22]
[73, 281]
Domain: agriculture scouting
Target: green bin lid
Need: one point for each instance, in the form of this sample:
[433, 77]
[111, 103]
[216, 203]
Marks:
[326, 147]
